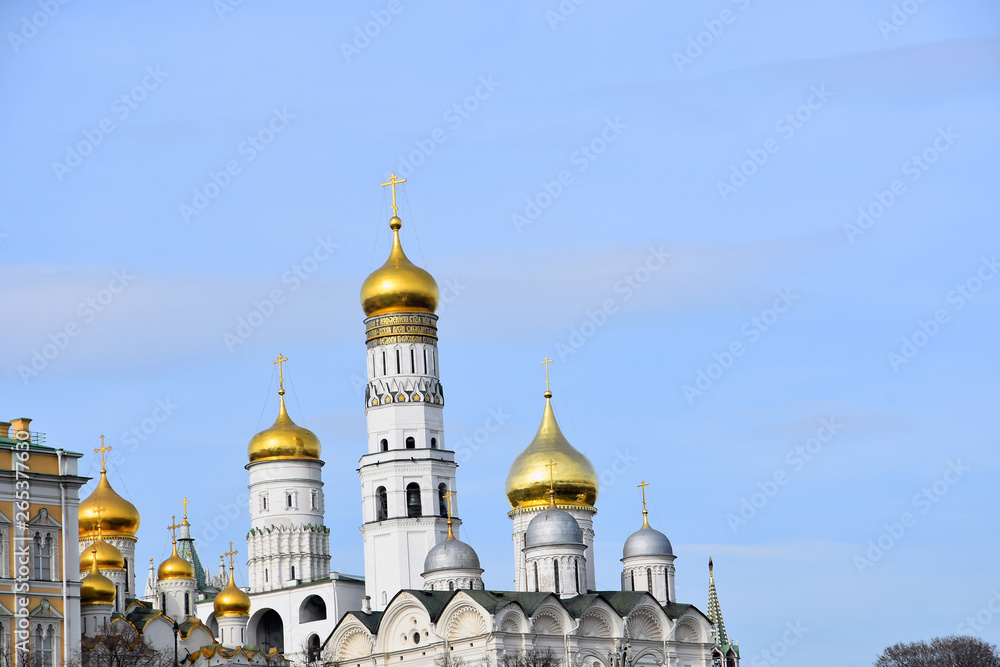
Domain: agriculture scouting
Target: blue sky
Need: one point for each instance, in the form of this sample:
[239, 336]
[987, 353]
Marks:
[635, 191]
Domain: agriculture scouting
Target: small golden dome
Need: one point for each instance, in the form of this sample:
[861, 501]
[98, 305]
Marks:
[175, 567]
[119, 517]
[399, 285]
[95, 587]
[284, 439]
[231, 601]
[574, 477]
[108, 557]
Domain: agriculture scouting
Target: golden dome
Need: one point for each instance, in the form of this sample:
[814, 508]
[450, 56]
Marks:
[284, 439]
[573, 477]
[119, 517]
[108, 557]
[175, 567]
[399, 285]
[231, 601]
[95, 587]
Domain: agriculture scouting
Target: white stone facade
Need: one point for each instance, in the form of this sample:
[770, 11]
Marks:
[521, 519]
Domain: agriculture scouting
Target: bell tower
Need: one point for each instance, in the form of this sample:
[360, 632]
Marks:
[408, 470]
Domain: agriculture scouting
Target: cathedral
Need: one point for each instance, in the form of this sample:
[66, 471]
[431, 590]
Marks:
[422, 599]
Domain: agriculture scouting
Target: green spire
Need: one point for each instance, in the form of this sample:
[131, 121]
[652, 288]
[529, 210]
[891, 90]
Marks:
[714, 610]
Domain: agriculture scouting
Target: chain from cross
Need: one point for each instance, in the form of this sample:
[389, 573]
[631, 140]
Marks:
[232, 552]
[546, 364]
[393, 181]
[101, 450]
[173, 527]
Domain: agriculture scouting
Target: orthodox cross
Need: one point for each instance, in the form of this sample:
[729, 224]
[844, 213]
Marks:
[99, 510]
[281, 378]
[185, 503]
[232, 552]
[393, 181]
[101, 450]
[448, 496]
[546, 364]
[552, 484]
[645, 521]
[173, 527]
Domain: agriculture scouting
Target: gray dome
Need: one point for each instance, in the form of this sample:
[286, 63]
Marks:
[647, 542]
[451, 554]
[553, 526]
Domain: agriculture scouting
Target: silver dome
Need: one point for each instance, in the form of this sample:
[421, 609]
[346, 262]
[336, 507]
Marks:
[647, 542]
[553, 526]
[451, 554]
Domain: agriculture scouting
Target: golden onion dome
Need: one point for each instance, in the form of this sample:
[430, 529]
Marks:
[95, 587]
[573, 476]
[399, 285]
[108, 557]
[175, 567]
[231, 601]
[119, 517]
[284, 439]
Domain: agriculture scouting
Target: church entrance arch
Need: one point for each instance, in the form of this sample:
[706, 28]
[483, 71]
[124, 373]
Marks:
[313, 608]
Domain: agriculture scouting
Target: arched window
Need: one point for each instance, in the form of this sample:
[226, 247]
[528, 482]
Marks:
[434, 443]
[536, 575]
[425, 362]
[413, 507]
[385, 445]
[411, 443]
[126, 575]
[666, 585]
[649, 580]
[413, 362]
[293, 572]
[313, 653]
[398, 371]
[631, 575]
[383, 363]
[442, 501]
[451, 585]
[187, 604]
[576, 575]
[555, 569]
[163, 603]
[381, 504]
[313, 608]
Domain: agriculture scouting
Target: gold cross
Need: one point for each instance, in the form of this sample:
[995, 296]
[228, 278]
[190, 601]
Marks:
[552, 484]
[232, 552]
[645, 514]
[99, 510]
[173, 527]
[546, 364]
[393, 181]
[185, 503]
[101, 450]
[448, 496]
[281, 377]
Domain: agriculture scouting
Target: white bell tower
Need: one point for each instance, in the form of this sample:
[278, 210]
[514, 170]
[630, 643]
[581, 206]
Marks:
[408, 469]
